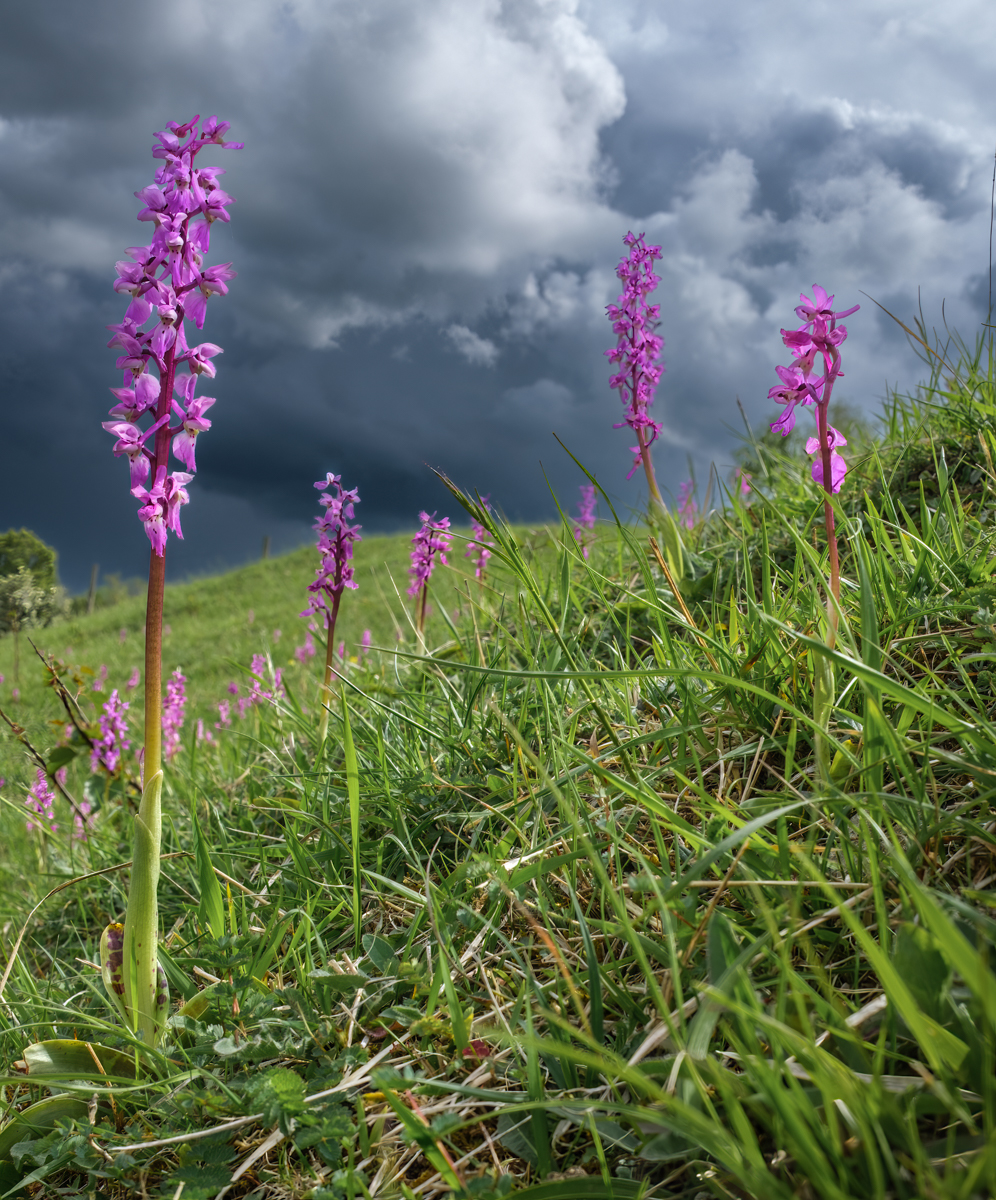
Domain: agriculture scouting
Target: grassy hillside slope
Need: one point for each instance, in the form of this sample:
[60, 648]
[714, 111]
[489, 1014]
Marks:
[593, 899]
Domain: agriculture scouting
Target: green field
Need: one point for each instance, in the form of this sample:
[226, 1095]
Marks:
[569, 907]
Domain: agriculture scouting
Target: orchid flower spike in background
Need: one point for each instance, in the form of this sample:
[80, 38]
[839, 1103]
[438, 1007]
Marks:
[431, 539]
[637, 353]
[586, 515]
[480, 547]
[818, 339]
[335, 572]
[168, 283]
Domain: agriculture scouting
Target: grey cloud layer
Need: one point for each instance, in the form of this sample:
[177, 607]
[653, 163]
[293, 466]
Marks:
[430, 209]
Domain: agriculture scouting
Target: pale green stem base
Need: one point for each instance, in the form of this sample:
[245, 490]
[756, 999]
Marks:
[141, 932]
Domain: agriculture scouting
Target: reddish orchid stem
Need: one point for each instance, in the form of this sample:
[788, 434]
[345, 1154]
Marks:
[157, 586]
[830, 374]
[422, 602]
[330, 670]
[641, 441]
[648, 467]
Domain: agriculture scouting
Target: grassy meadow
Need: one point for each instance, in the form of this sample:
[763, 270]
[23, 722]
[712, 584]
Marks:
[564, 906]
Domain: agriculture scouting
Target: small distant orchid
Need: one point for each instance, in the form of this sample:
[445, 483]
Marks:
[83, 821]
[818, 339]
[261, 667]
[113, 742]
[335, 572]
[303, 653]
[586, 515]
[40, 802]
[176, 702]
[482, 543]
[687, 508]
[637, 352]
[431, 540]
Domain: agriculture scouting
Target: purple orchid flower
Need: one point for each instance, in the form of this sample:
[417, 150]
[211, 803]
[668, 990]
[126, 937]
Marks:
[40, 801]
[166, 281]
[113, 741]
[335, 572]
[193, 423]
[586, 515]
[637, 351]
[431, 540]
[838, 468]
[818, 338]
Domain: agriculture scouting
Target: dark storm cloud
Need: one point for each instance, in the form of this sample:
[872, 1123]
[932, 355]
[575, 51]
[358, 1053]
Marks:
[430, 209]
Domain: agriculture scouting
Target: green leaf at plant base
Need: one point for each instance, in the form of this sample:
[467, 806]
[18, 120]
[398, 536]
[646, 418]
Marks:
[72, 1059]
[34, 1121]
[211, 909]
[922, 966]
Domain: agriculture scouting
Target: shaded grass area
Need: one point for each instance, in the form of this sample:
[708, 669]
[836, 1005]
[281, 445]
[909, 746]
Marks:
[563, 907]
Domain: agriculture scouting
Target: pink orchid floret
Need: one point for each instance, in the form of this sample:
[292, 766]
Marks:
[193, 423]
[838, 468]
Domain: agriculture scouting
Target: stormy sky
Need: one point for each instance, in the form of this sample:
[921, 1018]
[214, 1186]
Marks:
[430, 208]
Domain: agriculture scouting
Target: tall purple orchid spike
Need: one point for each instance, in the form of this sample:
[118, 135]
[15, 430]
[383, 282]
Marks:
[167, 283]
[637, 352]
[335, 572]
[819, 338]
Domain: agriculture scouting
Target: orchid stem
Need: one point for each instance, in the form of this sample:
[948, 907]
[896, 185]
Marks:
[648, 468]
[833, 600]
[141, 926]
[327, 692]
